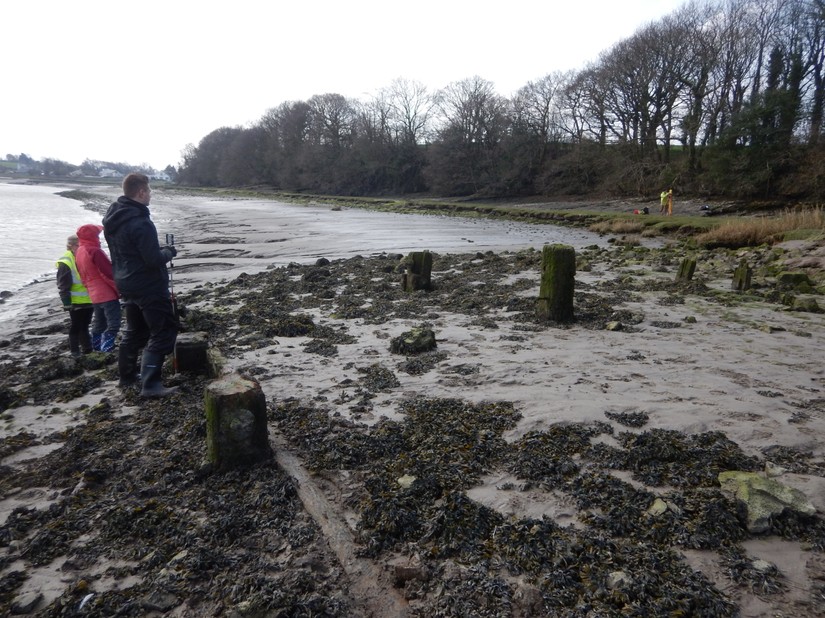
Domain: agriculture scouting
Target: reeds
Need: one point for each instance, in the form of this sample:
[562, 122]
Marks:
[750, 232]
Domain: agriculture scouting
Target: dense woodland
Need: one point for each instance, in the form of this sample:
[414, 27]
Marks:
[719, 98]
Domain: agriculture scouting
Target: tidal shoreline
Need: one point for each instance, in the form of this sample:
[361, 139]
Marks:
[530, 493]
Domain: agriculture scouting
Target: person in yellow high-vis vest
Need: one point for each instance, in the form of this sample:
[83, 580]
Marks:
[75, 299]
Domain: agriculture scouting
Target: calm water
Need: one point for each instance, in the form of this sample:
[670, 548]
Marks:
[34, 224]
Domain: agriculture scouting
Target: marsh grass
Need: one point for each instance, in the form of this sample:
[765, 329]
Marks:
[617, 226]
[751, 232]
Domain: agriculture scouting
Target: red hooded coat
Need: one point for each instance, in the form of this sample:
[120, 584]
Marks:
[94, 265]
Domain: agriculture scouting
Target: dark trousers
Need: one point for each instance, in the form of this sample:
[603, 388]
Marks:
[81, 317]
[106, 318]
[150, 324]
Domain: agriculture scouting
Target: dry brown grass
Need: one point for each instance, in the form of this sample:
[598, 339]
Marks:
[617, 226]
[765, 230]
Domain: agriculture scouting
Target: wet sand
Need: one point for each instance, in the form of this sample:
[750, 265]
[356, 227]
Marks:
[687, 362]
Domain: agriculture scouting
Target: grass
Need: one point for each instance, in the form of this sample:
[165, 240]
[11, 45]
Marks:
[750, 232]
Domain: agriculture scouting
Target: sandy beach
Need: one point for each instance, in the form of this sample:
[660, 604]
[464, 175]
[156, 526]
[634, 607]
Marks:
[655, 388]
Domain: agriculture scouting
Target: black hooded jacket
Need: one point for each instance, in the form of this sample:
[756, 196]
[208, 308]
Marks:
[138, 261]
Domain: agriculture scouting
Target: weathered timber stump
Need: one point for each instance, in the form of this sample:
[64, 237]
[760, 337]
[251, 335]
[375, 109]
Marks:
[236, 431]
[418, 273]
[191, 353]
[686, 269]
[742, 277]
[558, 279]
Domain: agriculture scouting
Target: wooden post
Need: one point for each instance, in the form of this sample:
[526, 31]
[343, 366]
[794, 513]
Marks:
[686, 269]
[742, 277]
[236, 430]
[191, 353]
[418, 272]
[558, 280]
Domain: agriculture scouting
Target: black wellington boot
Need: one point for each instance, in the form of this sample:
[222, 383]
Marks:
[127, 367]
[150, 369]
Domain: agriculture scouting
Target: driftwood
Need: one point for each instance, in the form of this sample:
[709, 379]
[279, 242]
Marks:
[236, 430]
[558, 279]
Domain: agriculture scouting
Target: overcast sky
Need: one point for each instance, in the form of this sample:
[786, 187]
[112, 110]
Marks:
[136, 82]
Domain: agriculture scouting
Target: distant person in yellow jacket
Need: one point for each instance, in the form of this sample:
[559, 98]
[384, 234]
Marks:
[666, 201]
[75, 299]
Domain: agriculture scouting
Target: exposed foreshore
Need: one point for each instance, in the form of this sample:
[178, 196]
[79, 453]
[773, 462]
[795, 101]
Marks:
[532, 453]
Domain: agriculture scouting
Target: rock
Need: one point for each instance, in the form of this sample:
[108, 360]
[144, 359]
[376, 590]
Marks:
[763, 497]
[415, 341]
[26, 603]
[617, 580]
[807, 305]
[527, 601]
[797, 281]
[402, 573]
[406, 481]
[658, 507]
[159, 601]
[772, 470]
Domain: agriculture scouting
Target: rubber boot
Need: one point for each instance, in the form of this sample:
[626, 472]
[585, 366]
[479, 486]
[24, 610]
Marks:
[96, 338]
[74, 345]
[150, 370]
[85, 342]
[127, 367]
[107, 342]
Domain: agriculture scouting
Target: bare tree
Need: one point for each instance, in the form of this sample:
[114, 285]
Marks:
[474, 121]
[411, 107]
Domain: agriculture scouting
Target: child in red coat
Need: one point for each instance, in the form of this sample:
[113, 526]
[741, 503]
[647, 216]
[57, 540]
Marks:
[95, 270]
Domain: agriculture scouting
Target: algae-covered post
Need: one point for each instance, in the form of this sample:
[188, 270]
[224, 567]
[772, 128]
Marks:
[418, 272]
[236, 431]
[742, 276]
[558, 279]
[686, 269]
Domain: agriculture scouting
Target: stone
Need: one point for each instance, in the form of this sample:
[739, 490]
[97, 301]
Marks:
[415, 341]
[26, 603]
[807, 305]
[797, 281]
[763, 497]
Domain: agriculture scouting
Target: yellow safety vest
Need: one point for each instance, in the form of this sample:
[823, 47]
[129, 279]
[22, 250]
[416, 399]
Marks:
[80, 295]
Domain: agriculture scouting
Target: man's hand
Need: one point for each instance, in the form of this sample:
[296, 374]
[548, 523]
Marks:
[170, 252]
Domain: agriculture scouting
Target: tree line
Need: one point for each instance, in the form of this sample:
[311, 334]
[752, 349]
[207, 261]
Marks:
[717, 98]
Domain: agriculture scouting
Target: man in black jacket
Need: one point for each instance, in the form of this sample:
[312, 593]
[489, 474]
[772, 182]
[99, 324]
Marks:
[139, 268]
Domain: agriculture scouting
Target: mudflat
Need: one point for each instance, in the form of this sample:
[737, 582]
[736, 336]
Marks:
[520, 467]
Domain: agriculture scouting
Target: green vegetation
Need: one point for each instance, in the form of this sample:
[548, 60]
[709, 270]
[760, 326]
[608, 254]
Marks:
[716, 99]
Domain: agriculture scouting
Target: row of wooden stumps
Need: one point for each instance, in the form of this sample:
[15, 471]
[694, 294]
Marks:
[741, 275]
[235, 406]
[236, 428]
